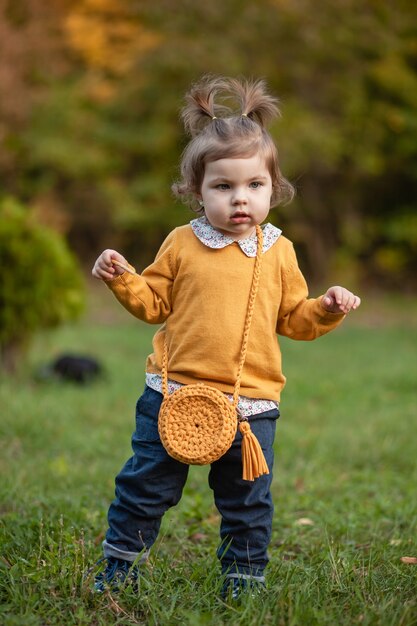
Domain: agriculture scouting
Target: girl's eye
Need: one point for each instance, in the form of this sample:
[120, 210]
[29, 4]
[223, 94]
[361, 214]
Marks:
[255, 184]
[222, 186]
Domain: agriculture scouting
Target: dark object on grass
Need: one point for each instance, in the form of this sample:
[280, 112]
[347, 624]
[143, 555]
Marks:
[72, 367]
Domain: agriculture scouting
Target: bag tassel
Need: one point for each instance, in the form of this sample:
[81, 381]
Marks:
[254, 463]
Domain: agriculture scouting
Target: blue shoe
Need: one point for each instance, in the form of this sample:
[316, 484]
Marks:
[118, 573]
[238, 588]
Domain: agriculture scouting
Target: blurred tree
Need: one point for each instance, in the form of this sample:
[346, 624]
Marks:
[350, 135]
[108, 36]
[40, 285]
[31, 56]
[102, 148]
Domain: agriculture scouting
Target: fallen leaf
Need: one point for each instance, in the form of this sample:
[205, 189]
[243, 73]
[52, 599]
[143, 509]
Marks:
[304, 521]
[395, 542]
[411, 560]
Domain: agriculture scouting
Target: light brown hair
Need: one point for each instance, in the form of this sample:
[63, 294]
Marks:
[219, 131]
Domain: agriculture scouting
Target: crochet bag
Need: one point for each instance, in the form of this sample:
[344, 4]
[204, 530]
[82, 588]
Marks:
[197, 423]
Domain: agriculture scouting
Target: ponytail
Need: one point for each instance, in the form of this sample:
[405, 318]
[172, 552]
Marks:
[201, 107]
[254, 100]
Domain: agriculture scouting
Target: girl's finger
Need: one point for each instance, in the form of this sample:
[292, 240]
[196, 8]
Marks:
[349, 300]
[124, 266]
[104, 270]
[338, 295]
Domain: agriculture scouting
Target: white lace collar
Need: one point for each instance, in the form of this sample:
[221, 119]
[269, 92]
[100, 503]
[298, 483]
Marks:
[212, 238]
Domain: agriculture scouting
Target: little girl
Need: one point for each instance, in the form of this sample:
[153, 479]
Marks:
[197, 288]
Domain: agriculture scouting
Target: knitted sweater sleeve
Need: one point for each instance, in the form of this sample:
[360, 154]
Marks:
[301, 317]
[148, 296]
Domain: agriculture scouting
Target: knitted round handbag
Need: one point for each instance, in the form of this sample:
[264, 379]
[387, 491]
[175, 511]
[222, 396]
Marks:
[197, 423]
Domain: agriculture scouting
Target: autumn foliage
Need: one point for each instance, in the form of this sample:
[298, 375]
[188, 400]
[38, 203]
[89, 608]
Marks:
[91, 136]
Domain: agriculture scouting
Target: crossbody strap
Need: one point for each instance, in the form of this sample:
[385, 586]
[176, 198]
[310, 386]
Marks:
[246, 330]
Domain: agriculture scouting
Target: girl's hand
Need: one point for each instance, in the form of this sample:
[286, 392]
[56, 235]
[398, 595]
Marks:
[339, 300]
[104, 269]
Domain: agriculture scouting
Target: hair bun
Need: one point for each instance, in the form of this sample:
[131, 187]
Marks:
[254, 100]
[205, 102]
[201, 106]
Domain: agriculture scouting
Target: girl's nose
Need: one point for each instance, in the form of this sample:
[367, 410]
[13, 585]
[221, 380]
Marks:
[239, 197]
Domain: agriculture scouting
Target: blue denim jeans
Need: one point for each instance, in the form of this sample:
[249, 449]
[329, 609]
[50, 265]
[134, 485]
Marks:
[151, 482]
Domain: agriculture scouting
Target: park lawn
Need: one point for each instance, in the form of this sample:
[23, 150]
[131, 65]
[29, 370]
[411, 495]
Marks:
[344, 487]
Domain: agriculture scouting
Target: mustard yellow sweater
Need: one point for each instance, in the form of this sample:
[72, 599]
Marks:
[201, 296]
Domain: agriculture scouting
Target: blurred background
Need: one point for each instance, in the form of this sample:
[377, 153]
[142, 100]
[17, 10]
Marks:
[90, 136]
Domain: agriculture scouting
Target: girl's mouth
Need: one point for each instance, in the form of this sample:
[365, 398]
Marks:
[240, 218]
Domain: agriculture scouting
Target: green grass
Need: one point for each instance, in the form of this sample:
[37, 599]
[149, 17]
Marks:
[344, 486]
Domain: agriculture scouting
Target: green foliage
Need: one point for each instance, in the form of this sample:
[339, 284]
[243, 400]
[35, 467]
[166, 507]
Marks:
[104, 142]
[40, 283]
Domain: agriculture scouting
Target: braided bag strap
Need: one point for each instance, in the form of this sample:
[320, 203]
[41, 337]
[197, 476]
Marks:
[165, 392]
[249, 314]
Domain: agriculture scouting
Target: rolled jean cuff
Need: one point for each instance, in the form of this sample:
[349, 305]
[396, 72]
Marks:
[258, 579]
[233, 570]
[110, 550]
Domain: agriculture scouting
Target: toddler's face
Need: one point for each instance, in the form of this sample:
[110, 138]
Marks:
[236, 195]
